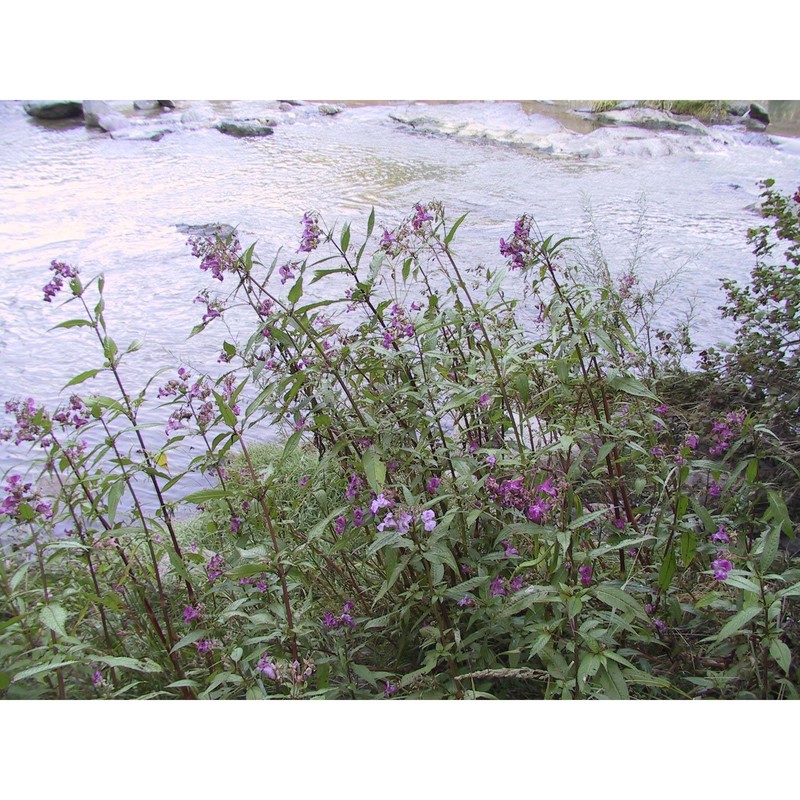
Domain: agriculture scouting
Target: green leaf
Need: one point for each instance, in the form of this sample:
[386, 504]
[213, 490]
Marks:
[54, 616]
[84, 376]
[737, 622]
[771, 541]
[5, 680]
[204, 495]
[190, 638]
[371, 221]
[122, 662]
[667, 571]
[114, 495]
[629, 385]
[782, 654]
[374, 469]
[344, 240]
[296, 292]
[225, 410]
[29, 673]
[780, 512]
[688, 547]
[452, 232]
[73, 323]
[616, 598]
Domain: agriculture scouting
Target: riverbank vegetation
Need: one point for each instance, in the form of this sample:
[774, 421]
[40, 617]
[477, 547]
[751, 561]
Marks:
[494, 481]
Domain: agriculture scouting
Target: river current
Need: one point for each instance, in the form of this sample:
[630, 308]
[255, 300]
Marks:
[112, 205]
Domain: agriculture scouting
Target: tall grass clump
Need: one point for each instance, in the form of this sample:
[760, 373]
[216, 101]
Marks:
[479, 492]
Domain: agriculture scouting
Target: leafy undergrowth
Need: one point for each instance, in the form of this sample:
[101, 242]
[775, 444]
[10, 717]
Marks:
[489, 485]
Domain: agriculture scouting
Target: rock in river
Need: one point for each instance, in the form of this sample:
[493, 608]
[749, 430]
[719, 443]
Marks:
[52, 109]
[246, 127]
[93, 110]
[759, 113]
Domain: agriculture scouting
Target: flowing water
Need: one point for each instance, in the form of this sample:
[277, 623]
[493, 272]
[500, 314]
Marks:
[112, 205]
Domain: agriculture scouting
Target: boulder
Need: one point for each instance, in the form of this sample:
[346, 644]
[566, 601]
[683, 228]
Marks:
[291, 102]
[246, 127]
[166, 103]
[759, 113]
[52, 109]
[330, 111]
[112, 122]
[737, 109]
[146, 105]
[754, 124]
[93, 110]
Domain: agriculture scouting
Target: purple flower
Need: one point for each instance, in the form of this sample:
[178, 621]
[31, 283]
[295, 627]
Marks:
[340, 525]
[432, 485]
[491, 461]
[387, 240]
[266, 666]
[721, 568]
[329, 620]
[358, 517]
[662, 409]
[379, 502]
[498, 587]
[391, 688]
[388, 522]
[537, 510]
[466, 601]
[347, 620]
[715, 490]
[303, 481]
[97, 678]
[236, 523]
[190, 613]
[204, 646]
[483, 400]
[585, 575]
[547, 487]
[516, 583]
[510, 551]
[720, 537]
[692, 441]
[428, 519]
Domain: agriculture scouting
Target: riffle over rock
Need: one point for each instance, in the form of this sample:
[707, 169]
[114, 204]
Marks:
[330, 111]
[146, 105]
[52, 109]
[209, 229]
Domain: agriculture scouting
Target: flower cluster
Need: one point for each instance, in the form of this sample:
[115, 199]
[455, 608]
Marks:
[215, 567]
[514, 494]
[217, 255]
[519, 248]
[21, 503]
[214, 307]
[28, 422]
[62, 271]
[309, 240]
[399, 327]
[345, 618]
[724, 430]
[73, 415]
[500, 587]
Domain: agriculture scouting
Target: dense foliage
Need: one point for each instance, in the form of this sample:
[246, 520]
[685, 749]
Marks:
[480, 490]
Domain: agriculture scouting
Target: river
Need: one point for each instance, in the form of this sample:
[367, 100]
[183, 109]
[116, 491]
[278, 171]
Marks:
[112, 205]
